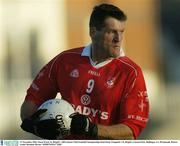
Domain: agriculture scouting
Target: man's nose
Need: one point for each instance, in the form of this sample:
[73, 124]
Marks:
[117, 37]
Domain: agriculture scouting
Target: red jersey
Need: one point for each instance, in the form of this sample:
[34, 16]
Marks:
[109, 93]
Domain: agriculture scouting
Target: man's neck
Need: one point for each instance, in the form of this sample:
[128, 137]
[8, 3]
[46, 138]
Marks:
[98, 56]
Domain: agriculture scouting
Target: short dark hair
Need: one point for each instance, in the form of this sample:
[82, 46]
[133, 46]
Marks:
[102, 11]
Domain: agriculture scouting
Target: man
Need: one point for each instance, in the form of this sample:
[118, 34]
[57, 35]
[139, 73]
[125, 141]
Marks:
[104, 86]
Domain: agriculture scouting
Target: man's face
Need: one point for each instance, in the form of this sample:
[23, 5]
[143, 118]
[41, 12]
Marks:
[109, 38]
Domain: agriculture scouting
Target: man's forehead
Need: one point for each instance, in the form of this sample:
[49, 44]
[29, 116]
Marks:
[112, 23]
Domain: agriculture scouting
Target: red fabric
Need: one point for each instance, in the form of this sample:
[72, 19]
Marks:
[114, 93]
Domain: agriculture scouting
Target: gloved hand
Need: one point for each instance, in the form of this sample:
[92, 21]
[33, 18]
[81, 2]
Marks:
[81, 125]
[47, 129]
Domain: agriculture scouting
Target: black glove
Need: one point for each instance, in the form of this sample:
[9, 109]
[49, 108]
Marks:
[47, 129]
[81, 125]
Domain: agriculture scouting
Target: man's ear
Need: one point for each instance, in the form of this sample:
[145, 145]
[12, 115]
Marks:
[92, 32]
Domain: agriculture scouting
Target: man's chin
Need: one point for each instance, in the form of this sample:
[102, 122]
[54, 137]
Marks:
[116, 53]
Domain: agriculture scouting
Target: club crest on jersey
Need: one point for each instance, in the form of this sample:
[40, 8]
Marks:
[74, 73]
[85, 99]
[110, 82]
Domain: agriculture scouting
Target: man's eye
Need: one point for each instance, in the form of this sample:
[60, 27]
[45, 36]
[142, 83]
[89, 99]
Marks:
[110, 31]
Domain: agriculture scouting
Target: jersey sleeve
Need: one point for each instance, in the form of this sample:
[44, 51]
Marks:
[134, 108]
[44, 86]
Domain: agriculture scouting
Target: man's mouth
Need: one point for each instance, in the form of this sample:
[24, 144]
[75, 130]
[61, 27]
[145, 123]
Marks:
[116, 46]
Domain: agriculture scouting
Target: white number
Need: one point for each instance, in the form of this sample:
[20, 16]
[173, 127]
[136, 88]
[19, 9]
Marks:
[90, 86]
